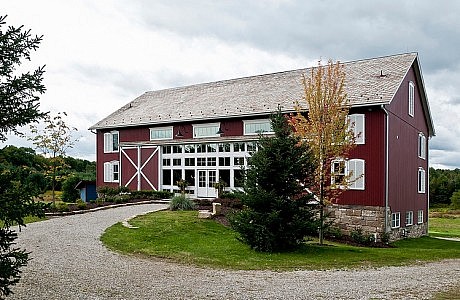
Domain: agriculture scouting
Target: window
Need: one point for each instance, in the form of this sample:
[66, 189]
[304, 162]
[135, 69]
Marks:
[166, 177]
[111, 171]
[177, 161]
[357, 125]
[338, 172]
[411, 98]
[177, 175]
[409, 218]
[224, 161]
[201, 148]
[189, 161]
[257, 126]
[251, 147]
[421, 145]
[212, 148]
[190, 177]
[206, 130]
[238, 161]
[166, 149]
[238, 147]
[224, 147]
[420, 217]
[421, 180]
[111, 140]
[163, 133]
[395, 220]
[166, 162]
[189, 148]
[225, 176]
[351, 171]
[201, 161]
[177, 149]
[355, 170]
[212, 161]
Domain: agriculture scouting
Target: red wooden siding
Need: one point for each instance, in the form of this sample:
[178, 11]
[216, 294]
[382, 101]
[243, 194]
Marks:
[101, 158]
[373, 152]
[403, 154]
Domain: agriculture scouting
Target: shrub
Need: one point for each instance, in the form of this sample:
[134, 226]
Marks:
[69, 193]
[181, 202]
[150, 194]
[455, 200]
[385, 237]
[61, 206]
[363, 239]
[232, 195]
[333, 232]
[81, 204]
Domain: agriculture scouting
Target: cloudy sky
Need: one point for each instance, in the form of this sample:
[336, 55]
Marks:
[102, 54]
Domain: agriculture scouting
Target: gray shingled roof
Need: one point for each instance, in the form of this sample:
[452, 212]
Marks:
[259, 94]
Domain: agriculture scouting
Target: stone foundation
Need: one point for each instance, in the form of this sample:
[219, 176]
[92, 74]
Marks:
[371, 220]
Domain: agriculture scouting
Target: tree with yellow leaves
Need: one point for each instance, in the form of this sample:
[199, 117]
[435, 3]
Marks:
[322, 122]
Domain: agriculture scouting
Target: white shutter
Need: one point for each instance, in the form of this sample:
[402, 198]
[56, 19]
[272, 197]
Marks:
[107, 172]
[356, 173]
[107, 142]
[357, 124]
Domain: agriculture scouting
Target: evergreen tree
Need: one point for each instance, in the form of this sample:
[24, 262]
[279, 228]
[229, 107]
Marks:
[19, 96]
[277, 216]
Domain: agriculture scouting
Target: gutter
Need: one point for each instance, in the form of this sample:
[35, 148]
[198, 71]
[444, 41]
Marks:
[387, 127]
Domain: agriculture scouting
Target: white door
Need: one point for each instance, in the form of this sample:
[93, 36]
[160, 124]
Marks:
[206, 180]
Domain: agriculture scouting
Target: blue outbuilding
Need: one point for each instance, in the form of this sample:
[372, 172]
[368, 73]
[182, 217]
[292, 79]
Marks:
[87, 190]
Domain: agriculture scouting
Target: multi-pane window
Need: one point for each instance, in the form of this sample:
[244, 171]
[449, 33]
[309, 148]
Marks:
[189, 161]
[349, 173]
[224, 161]
[411, 98]
[238, 161]
[177, 149]
[166, 149]
[212, 148]
[338, 173]
[111, 171]
[225, 147]
[111, 141]
[212, 161]
[257, 126]
[177, 162]
[357, 125]
[166, 162]
[421, 145]
[206, 130]
[420, 217]
[395, 220]
[238, 147]
[163, 133]
[421, 180]
[189, 148]
[201, 161]
[409, 218]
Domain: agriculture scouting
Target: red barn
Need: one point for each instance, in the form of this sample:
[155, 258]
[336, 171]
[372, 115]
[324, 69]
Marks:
[204, 133]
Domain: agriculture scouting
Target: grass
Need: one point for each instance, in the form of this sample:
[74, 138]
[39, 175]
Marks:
[28, 219]
[182, 237]
[445, 227]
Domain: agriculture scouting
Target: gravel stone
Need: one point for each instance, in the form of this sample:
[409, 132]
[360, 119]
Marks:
[70, 262]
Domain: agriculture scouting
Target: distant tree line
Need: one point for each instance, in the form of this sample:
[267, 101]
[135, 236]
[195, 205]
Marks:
[35, 170]
[443, 184]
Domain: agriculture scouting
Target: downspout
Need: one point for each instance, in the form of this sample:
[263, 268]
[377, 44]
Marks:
[387, 127]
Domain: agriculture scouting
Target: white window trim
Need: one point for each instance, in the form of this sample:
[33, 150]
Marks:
[259, 121]
[420, 216]
[352, 119]
[409, 218]
[411, 98]
[421, 146]
[108, 171]
[352, 185]
[108, 141]
[196, 126]
[396, 219]
[168, 128]
[421, 184]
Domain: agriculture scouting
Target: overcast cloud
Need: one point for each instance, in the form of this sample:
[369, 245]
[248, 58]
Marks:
[102, 54]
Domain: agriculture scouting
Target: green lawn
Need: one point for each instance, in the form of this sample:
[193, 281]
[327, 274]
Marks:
[445, 227]
[28, 219]
[182, 237]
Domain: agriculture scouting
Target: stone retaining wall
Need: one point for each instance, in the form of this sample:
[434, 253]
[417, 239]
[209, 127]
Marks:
[371, 220]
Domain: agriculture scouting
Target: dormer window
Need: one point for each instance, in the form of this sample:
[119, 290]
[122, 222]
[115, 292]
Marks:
[411, 98]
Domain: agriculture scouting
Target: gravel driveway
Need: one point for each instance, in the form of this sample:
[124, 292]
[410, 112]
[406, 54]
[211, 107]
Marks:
[69, 262]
